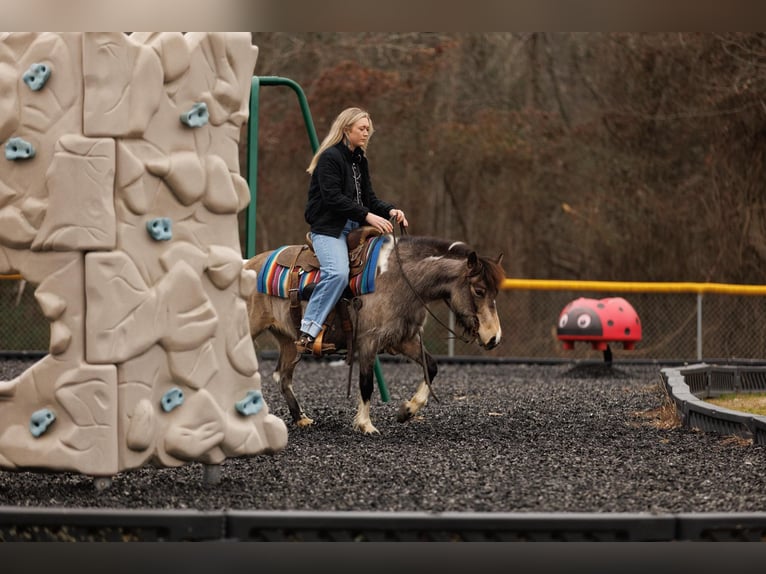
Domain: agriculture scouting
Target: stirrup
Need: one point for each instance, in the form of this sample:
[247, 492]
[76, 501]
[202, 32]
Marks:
[305, 345]
[319, 347]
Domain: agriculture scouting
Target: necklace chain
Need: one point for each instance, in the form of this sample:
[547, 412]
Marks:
[357, 178]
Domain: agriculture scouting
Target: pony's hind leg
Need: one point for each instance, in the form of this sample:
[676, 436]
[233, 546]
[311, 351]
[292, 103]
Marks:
[288, 359]
[413, 350]
[362, 421]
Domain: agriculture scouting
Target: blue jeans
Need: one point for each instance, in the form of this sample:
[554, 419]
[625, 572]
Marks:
[332, 253]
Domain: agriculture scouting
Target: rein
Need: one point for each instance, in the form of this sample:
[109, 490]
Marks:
[358, 303]
[424, 363]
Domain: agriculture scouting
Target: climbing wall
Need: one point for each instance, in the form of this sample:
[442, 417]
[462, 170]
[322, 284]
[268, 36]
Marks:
[119, 195]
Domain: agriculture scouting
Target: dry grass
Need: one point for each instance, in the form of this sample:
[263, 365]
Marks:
[666, 416]
[753, 403]
[663, 417]
[734, 440]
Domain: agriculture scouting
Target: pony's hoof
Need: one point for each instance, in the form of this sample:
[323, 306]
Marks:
[304, 422]
[366, 428]
[404, 413]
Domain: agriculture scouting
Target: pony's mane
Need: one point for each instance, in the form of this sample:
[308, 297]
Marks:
[493, 273]
[436, 247]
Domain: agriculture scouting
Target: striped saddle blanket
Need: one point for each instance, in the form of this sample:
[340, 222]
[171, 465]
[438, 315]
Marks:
[274, 277]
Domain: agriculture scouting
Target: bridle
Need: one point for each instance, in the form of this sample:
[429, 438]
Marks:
[475, 316]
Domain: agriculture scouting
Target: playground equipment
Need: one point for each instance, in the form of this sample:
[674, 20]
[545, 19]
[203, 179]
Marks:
[599, 322]
[119, 195]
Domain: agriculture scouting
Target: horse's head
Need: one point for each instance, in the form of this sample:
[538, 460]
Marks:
[474, 300]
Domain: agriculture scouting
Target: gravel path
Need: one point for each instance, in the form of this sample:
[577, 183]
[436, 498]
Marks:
[502, 438]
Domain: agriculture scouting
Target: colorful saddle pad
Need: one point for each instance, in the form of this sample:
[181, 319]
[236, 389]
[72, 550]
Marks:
[274, 279]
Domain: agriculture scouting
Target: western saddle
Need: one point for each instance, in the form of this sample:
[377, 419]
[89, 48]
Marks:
[337, 332]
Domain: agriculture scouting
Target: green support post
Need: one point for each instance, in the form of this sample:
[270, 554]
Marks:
[381, 381]
[252, 171]
[252, 143]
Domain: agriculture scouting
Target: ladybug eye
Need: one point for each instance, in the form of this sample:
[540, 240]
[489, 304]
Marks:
[583, 321]
[563, 321]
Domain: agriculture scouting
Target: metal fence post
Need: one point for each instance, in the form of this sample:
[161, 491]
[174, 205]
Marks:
[699, 326]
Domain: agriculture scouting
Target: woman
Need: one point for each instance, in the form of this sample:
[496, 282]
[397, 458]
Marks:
[340, 198]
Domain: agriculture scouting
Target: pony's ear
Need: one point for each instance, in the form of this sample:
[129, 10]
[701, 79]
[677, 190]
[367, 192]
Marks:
[499, 259]
[473, 261]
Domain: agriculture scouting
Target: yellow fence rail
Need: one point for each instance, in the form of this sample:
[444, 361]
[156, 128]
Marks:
[732, 314]
[634, 287]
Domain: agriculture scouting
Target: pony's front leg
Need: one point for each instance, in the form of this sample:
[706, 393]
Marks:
[414, 351]
[362, 420]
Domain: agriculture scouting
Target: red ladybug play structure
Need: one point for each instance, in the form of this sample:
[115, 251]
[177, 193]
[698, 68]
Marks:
[599, 322]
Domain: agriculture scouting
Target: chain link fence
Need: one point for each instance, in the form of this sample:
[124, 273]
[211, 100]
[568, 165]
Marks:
[675, 326]
[23, 326]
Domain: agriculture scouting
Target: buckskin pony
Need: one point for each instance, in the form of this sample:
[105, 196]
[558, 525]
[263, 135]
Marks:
[409, 273]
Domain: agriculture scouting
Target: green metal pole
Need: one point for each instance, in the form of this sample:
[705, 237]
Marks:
[252, 170]
[252, 166]
[302, 102]
[381, 381]
[252, 143]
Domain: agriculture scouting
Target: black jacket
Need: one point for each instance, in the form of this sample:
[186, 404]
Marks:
[332, 194]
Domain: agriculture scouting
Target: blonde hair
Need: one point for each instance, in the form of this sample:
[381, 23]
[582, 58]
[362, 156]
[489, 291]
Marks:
[343, 122]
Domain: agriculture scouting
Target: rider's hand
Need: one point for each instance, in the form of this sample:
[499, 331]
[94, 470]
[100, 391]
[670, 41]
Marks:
[379, 223]
[399, 215]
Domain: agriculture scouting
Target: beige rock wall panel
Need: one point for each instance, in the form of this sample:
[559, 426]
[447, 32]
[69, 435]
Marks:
[38, 117]
[73, 407]
[123, 85]
[125, 220]
[80, 184]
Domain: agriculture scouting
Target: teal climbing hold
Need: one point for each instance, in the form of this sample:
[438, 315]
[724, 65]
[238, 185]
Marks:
[172, 399]
[160, 228]
[40, 421]
[17, 148]
[251, 404]
[36, 76]
[197, 116]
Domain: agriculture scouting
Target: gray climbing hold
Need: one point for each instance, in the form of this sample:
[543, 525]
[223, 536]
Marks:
[197, 116]
[17, 148]
[172, 399]
[36, 76]
[160, 228]
[40, 421]
[251, 404]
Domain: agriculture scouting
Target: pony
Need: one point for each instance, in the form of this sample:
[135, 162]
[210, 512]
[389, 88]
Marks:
[411, 272]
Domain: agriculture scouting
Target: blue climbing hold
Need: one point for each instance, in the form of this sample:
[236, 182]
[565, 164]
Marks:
[172, 399]
[36, 76]
[40, 421]
[197, 116]
[251, 404]
[160, 228]
[17, 148]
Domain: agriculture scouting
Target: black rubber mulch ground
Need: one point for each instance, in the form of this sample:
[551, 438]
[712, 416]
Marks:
[502, 438]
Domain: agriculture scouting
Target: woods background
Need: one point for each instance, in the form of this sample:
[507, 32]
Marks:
[599, 156]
